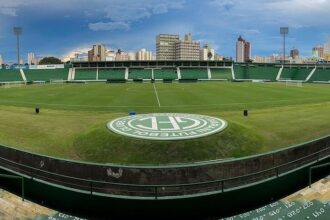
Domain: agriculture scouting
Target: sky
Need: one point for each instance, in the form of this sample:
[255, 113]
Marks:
[61, 27]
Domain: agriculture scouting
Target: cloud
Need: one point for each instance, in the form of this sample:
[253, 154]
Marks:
[123, 13]
[224, 4]
[160, 9]
[132, 10]
[82, 51]
[109, 26]
[8, 11]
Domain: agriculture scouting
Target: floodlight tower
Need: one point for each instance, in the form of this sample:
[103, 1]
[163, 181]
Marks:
[284, 31]
[18, 31]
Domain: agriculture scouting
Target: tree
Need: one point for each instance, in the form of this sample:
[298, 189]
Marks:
[50, 60]
[209, 55]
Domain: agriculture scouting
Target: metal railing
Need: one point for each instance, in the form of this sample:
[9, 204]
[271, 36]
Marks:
[314, 168]
[155, 191]
[6, 176]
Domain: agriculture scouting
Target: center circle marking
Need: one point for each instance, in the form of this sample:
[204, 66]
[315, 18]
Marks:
[167, 126]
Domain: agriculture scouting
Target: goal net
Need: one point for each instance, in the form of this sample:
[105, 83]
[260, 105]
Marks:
[294, 83]
[57, 81]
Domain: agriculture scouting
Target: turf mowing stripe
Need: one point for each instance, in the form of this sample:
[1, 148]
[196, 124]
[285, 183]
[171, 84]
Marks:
[164, 106]
[156, 94]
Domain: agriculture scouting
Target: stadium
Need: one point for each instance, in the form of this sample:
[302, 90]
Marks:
[56, 139]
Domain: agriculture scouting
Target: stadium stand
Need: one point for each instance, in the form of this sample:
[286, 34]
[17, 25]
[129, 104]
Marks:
[46, 74]
[256, 72]
[12, 207]
[140, 74]
[308, 203]
[85, 74]
[10, 76]
[194, 73]
[221, 73]
[296, 73]
[240, 71]
[169, 74]
[113, 74]
[321, 74]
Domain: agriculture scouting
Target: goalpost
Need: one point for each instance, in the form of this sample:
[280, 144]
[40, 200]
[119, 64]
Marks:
[57, 81]
[293, 83]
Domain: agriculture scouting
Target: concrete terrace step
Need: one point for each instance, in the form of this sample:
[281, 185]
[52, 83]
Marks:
[308, 203]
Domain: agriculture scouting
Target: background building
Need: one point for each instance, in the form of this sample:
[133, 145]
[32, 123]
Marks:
[31, 58]
[187, 49]
[327, 50]
[98, 53]
[207, 53]
[165, 46]
[143, 54]
[243, 50]
[294, 53]
[170, 47]
[318, 51]
[121, 56]
[1, 60]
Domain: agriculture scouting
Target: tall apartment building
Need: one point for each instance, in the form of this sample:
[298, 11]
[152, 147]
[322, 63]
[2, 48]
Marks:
[98, 53]
[143, 54]
[207, 53]
[243, 50]
[121, 55]
[170, 47]
[1, 60]
[31, 58]
[294, 53]
[166, 46]
[318, 51]
[187, 49]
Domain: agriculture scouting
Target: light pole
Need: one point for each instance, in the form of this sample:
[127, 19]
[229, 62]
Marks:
[18, 31]
[284, 31]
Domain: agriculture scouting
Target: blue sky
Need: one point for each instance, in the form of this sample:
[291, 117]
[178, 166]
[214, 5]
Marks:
[61, 27]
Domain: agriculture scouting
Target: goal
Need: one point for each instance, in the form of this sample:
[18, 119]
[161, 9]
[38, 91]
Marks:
[293, 83]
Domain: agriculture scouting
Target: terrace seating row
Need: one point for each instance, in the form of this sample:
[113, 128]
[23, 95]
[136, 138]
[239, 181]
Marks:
[253, 72]
[241, 72]
[10, 76]
[296, 73]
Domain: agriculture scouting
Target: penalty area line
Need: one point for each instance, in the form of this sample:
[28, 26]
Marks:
[156, 93]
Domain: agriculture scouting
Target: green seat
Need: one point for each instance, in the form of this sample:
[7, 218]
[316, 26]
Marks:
[113, 74]
[139, 74]
[321, 74]
[256, 72]
[85, 74]
[296, 73]
[194, 73]
[221, 73]
[10, 76]
[166, 73]
[46, 74]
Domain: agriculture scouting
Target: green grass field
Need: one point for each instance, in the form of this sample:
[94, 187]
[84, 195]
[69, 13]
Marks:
[72, 122]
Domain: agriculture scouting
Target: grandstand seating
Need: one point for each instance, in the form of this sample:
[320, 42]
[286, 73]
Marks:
[10, 76]
[256, 72]
[240, 71]
[166, 73]
[296, 73]
[85, 74]
[46, 74]
[221, 73]
[113, 74]
[140, 74]
[194, 73]
[321, 74]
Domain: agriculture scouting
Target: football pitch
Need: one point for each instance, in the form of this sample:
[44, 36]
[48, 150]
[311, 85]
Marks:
[73, 118]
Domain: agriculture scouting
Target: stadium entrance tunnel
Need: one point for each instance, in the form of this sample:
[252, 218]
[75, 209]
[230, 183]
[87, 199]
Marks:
[200, 190]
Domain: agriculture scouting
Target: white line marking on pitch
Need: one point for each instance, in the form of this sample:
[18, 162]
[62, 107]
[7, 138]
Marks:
[156, 93]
